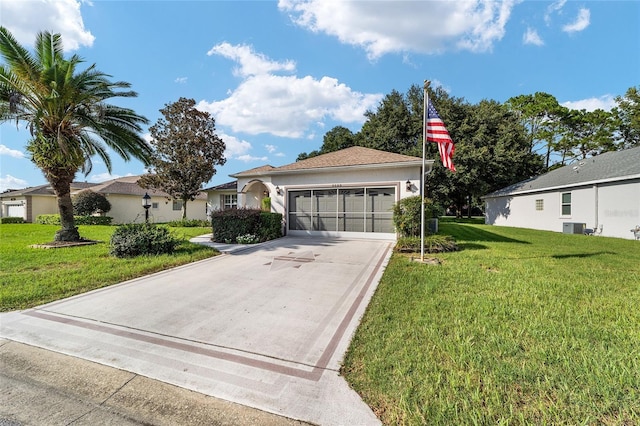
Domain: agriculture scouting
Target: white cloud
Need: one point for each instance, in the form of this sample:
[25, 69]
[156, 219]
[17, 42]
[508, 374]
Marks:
[25, 18]
[103, 177]
[381, 27]
[605, 102]
[181, 80]
[283, 105]
[233, 146]
[4, 150]
[531, 36]
[554, 7]
[249, 158]
[582, 21]
[11, 182]
[251, 63]
[271, 148]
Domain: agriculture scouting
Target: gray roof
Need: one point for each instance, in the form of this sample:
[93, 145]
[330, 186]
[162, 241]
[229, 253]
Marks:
[607, 167]
[229, 186]
[44, 189]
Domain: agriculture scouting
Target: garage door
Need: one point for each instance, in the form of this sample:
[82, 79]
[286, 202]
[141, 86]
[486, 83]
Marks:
[15, 210]
[342, 210]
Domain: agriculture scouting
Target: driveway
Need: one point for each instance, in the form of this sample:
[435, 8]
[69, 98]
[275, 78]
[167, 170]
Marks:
[265, 327]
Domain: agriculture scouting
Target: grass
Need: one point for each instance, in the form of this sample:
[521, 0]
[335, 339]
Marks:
[30, 276]
[520, 327]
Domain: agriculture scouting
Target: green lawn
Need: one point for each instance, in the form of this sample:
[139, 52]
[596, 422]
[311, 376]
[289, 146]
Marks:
[520, 327]
[30, 276]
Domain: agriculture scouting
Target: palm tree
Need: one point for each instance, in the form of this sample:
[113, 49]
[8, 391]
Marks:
[67, 115]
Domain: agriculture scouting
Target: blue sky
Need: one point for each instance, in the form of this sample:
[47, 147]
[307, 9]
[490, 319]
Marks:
[277, 75]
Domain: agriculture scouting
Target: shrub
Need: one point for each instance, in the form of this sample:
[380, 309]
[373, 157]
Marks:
[11, 219]
[406, 215]
[137, 239]
[432, 244]
[54, 219]
[229, 224]
[87, 202]
[188, 223]
[266, 204]
[270, 226]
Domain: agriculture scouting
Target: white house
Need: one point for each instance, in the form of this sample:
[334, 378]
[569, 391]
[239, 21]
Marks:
[124, 194]
[601, 193]
[347, 193]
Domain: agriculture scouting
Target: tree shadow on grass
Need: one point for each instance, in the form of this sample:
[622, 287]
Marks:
[469, 235]
[580, 255]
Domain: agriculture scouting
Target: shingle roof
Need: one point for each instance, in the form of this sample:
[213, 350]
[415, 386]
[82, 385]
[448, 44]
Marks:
[353, 156]
[610, 166]
[44, 189]
[128, 185]
[224, 187]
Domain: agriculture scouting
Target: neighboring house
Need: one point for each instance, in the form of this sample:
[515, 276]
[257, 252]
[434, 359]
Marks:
[601, 194]
[348, 193]
[124, 194]
[30, 202]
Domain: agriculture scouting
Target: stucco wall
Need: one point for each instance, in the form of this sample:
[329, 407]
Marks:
[128, 209]
[614, 206]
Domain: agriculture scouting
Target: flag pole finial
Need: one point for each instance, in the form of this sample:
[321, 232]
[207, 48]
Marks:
[426, 84]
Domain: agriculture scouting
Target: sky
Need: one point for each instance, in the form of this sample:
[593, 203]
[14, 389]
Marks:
[278, 75]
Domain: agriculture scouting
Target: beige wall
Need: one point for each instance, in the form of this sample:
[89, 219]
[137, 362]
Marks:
[128, 209]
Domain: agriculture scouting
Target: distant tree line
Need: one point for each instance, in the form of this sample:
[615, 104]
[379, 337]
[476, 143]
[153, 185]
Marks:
[496, 144]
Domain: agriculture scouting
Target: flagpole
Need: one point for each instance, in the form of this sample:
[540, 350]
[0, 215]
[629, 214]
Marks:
[422, 180]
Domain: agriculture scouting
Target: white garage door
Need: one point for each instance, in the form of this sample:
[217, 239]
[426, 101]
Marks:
[15, 210]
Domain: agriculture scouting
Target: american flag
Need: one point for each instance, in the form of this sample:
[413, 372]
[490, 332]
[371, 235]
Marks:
[436, 132]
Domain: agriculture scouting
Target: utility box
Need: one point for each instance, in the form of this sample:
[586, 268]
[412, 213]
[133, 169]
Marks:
[573, 228]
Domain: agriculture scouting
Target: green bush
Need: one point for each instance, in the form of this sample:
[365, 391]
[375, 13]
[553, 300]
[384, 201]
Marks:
[270, 226]
[407, 218]
[54, 219]
[188, 223]
[266, 204]
[87, 202]
[136, 239]
[228, 225]
[11, 219]
[432, 244]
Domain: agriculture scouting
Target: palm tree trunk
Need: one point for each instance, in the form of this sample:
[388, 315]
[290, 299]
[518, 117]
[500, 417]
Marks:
[61, 184]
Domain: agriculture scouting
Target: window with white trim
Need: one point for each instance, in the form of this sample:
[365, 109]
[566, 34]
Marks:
[229, 201]
[539, 205]
[566, 204]
[177, 204]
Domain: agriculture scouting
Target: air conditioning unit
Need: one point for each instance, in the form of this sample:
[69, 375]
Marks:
[573, 228]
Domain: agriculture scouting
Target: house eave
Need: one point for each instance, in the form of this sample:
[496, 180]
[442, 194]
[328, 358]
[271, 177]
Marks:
[558, 187]
[333, 169]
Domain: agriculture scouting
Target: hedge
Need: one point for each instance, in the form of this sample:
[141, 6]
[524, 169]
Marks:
[11, 219]
[54, 219]
[228, 225]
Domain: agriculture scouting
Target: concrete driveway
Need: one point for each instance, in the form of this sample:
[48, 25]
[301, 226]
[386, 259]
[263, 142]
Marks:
[265, 327]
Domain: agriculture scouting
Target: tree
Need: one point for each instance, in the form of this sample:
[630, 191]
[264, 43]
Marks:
[627, 113]
[67, 115]
[540, 114]
[87, 202]
[491, 153]
[334, 140]
[588, 133]
[187, 151]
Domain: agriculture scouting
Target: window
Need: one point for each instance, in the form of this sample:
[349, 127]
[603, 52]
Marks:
[539, 205]
[154, 205]
[566, 204]
[229, 201]
[177, 204]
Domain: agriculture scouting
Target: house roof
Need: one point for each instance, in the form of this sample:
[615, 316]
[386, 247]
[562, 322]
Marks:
[128, 185]
[349, 157]
[607, 167]
[44, 189]
[229, 186]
